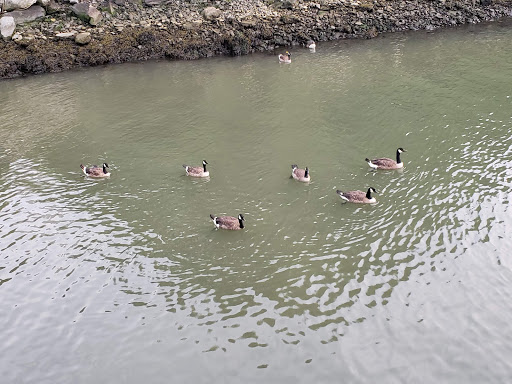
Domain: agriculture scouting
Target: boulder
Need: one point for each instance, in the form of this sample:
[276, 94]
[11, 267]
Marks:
[11, 5]
[43, 3]
[83, 38]
[87, 13]
[54, 7]
[211, 13]
[7, 26]
[27, 15]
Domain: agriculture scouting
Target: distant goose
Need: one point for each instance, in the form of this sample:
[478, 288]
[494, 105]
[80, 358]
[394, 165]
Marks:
[358, 196]
[300, 174]
[197, 171]
[311, 44]
[228, 222]
[96, 171]
[286, 58]
[386, 163]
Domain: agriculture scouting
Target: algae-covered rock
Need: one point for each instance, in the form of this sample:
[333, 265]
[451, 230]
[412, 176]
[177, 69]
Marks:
[87, 13]
[27, 15]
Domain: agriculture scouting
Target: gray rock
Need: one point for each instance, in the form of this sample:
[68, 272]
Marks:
[7, 26]
[65, 35]
[83, 38]
[87, 13]
[27, 15]
[43, 3]
[285, 4]
[211, 13]
[249, 22]
[152, 3]
[53, 7]
[11, 5]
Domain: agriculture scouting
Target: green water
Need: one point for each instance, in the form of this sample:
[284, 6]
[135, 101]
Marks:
[126, 280]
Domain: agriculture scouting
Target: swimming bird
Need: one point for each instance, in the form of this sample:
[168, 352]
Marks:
[358, 196]
[96, 171]
[386, 163]
[228, 222]
[300, 174]
[311, 44]
[197, 171]
[286, 58]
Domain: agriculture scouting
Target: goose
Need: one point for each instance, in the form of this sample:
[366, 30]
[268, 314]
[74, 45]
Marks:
[286, 58]
[300, 174]
[358, 196]
[228, 222]
[96, 171]
[197, 171]
[311, 44]
[386, 163]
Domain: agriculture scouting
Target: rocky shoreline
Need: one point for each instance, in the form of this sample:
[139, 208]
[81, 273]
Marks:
[56, 35]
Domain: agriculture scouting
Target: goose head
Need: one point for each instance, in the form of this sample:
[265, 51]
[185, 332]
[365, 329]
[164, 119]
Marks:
[369, 193]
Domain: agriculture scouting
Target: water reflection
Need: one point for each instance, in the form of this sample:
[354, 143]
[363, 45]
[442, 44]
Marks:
[140, 249]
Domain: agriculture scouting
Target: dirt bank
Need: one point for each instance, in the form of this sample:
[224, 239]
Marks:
[154, 29]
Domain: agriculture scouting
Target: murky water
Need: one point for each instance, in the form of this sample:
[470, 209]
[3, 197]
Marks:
[126, 280]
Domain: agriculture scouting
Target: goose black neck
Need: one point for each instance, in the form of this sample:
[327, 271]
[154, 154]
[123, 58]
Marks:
[369, 194]
[204, 167]
[307, 173]
[241, 222]
[398, 161]
[105, 170]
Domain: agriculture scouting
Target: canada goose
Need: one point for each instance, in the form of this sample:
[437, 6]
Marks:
[358, 196]
[197, 171]
[300, 174]
[386, 163]
[311, 44]
[286, 58]
[96, 171]
[228, 222]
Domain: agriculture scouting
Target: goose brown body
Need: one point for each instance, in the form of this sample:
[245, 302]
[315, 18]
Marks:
[358, 197]
[387, 163]
[197, 171]
[228, 222]
[301, 174]
[96, 171]
[285, 58]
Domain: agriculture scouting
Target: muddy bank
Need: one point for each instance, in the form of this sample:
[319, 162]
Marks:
[59, 38]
